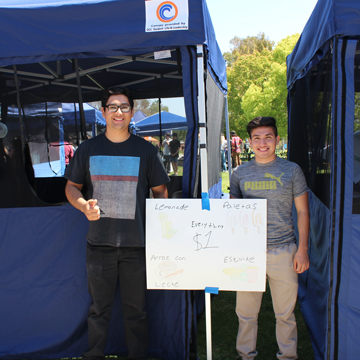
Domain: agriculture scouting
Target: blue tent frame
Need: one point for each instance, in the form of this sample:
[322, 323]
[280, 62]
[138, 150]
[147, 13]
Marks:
[70, 51]
[332, 311]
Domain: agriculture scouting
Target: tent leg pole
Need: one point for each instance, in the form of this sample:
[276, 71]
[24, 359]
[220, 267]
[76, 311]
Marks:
[228, 137]
[208, 326]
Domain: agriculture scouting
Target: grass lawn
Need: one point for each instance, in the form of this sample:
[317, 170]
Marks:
[224, 330]
[225, 184]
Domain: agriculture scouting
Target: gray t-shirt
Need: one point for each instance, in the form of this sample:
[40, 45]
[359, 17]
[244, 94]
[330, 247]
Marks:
[279, 181]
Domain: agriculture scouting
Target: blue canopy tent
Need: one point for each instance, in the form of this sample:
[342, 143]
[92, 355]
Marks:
[323, 82]
[47, 126]
[70, 51]
[138, 116]
[151, 125]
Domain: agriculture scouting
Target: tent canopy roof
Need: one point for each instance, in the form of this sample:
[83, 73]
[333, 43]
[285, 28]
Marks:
[109, 40]
[169, 121]
[329, 18]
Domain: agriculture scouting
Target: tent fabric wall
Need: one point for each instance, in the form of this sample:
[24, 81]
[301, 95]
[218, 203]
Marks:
[49, 122]
[314, 283]
[44, 291]
[188, 55]
[334, 26]
[346, 289]
[215, 101]
[329, 18]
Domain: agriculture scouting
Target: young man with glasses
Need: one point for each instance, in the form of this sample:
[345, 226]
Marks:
[118, 169]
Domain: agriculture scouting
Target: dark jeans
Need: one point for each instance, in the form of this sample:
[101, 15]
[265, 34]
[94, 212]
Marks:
[104, 265]
[167, 163]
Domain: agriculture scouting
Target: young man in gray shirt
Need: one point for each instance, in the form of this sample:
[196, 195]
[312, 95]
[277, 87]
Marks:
[280, 182]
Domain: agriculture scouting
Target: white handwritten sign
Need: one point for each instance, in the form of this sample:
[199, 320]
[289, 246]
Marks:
[188, 248]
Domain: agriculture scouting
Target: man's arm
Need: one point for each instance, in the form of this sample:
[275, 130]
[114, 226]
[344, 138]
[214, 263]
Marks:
[76, 199]
[301, 259]
[160, 191]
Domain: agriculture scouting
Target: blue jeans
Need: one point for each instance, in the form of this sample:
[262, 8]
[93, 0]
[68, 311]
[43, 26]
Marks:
[105, 264]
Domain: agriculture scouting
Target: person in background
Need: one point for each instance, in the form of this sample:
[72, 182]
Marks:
[166, 147]
[174, 152]
[119, 170]
[235, 149]
[223, 148]
[69, 153]
[281, 182]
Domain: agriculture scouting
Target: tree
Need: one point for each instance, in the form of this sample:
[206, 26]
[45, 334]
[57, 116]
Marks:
[246, 46]
[247, 70]
[154, 107]
[143, 106]
[95, 104]
[257, 87]
[148, 107]
[270, 100]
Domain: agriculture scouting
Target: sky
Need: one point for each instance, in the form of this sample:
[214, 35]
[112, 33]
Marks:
[242, 18]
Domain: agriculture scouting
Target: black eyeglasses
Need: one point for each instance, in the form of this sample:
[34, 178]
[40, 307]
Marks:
[125, 108]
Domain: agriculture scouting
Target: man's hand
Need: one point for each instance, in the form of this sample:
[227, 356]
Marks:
[91, 210]
[301, 261]
[76, 199]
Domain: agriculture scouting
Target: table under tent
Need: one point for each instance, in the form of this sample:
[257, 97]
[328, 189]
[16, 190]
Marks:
[324, 123]
[70, 51]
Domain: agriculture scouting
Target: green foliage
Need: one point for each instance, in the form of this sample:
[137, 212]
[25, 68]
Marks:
[142, 105]
[154, 107]
[149, 107]
[357, 112]
[248, 45]
[246, 71]
[181, 134]
[257, 86]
